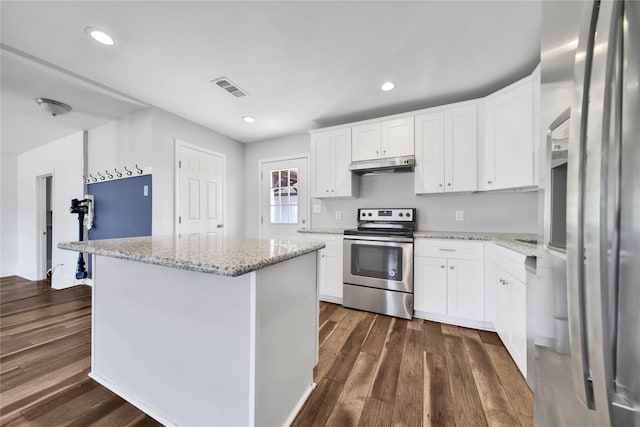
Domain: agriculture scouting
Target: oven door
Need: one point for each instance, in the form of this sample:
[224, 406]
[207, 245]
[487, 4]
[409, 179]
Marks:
[379, 263]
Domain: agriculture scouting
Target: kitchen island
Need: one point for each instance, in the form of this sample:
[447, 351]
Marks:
[200, 330]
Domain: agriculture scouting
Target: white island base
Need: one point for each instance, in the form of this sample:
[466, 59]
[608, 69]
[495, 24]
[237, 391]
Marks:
[199, 349]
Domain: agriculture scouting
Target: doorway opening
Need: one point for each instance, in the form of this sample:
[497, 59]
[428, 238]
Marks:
[45, 212]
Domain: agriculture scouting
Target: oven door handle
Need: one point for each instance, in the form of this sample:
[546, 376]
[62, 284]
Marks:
[380, 239]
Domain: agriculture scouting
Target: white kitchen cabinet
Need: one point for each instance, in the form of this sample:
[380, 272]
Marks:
[430, 291]
[389, 138]
[330, 159]
[449, 281]
[446, 150]
[329, 265]
[511, 304]
[507, 159]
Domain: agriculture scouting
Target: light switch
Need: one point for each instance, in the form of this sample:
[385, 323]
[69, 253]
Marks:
[317, 208]
[146, 191]
[338, 215]
[459, 215]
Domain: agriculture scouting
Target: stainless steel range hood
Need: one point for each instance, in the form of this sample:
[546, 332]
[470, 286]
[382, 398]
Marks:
[379, 166]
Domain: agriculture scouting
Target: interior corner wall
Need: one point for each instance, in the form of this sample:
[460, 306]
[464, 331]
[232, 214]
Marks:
[255, 152]
[8, 214]
[166, 128]
[64, 159]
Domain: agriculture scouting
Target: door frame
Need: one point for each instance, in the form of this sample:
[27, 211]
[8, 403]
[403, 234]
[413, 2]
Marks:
[176, 177]
[307, 201]
[41, 224]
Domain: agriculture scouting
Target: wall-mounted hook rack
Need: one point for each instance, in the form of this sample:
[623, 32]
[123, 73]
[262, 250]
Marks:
[93, 178]
[86, 180]
[108, 174]
[139, 170]
[129, 173]
[101, 176]
[117, 172]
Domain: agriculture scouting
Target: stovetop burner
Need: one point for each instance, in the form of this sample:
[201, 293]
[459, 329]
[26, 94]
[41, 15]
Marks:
[385, 222]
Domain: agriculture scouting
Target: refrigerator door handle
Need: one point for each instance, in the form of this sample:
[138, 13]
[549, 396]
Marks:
[576, 255]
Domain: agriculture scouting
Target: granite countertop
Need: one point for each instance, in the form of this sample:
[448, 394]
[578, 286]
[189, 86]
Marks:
[508, 240]
[199, 252]
[322, 230]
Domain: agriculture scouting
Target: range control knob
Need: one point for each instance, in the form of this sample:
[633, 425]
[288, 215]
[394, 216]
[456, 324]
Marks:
[407, 214]
[400, 214]
[364, 214]
[369, 213]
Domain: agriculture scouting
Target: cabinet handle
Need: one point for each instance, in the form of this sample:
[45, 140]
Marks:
[439, 185]
[384, 151]
[333, 191]
[442, 266]
[449, 184]
[489, 182]
[446, 250]
[451, 267]
[377, 152]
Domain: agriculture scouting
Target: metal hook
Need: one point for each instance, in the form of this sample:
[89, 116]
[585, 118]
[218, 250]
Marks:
[139, 170]
[128, 171]
[101, 176]
[117, 173]
[108, 174]
[93, 178]
[86, 180]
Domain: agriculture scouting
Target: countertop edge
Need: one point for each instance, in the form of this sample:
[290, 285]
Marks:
[185, 265]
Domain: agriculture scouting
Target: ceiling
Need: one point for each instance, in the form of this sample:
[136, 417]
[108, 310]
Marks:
[305, 64]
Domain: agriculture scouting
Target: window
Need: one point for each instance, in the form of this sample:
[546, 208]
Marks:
[284, 196]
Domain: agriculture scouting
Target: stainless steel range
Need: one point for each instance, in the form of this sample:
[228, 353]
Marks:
[378, 262]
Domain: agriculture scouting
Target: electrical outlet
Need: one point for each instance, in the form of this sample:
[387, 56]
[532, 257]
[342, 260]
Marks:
[145, 191]
[317, 208]
[459, 215]
[338, 215]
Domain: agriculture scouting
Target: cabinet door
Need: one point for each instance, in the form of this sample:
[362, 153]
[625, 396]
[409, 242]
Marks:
[509, 146]
[518, 323]
[461, 149]
[465, 289]
[397, 137]
[430, 285]
[365, 140]
[341, 144]
[429, 171]
[322, 165]
[503, 312]
[330, 274]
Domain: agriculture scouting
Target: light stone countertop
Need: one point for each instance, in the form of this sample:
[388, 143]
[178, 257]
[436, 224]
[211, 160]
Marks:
[223, 256]
[508, 240]
[321, 230]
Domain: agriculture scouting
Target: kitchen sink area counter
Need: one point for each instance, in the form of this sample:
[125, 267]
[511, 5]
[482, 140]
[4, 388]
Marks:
[199, 252]
[199, 330]
[320, 230]
[519, 242]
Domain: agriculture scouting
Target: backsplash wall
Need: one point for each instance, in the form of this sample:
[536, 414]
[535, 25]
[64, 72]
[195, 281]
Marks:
[484, 211]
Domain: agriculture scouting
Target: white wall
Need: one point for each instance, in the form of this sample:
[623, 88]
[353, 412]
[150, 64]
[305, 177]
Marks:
[167, 128]
[8, 214]
[124, 142]
[490, 212]
[64, 159]
[295, 144]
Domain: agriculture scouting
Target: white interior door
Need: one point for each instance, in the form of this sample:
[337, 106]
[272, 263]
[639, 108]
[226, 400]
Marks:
[284, 197]
[200, 201]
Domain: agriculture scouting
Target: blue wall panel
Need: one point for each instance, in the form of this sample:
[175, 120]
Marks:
[121, 208]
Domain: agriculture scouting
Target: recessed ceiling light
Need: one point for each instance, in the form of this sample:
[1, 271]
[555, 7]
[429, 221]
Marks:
[248, 119]
[99, 36]
[387, 86]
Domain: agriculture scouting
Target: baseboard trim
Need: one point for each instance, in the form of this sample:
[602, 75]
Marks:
[299, 405]
[466, 323]
[135, 402]
[329, 298]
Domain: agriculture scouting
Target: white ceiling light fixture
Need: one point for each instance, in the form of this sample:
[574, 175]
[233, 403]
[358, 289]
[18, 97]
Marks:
[387, 86]
[53, 107]
[248, 119]
[100, 36]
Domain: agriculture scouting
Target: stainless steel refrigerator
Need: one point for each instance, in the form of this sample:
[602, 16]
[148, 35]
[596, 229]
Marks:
[587, 302]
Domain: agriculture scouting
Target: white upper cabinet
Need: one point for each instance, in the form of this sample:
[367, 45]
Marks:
[390, 138]
[507, 159]
[446, 150]
[330, 159]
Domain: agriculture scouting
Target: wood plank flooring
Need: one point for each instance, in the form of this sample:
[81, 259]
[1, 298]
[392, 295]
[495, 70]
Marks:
[379, 371]
[373, 370]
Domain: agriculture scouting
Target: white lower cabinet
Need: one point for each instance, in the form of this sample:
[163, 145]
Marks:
[449, 281]
[511, 304]
[329, 265]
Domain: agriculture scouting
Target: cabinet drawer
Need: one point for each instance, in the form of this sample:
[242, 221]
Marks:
[450, 248]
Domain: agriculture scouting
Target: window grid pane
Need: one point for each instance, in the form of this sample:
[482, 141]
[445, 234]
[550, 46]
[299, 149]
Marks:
[284, 196]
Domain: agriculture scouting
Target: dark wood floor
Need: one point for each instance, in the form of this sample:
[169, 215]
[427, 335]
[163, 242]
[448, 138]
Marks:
[373, 370]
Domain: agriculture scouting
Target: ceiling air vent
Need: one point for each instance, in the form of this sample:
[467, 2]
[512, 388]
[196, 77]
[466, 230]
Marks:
[230, 87]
